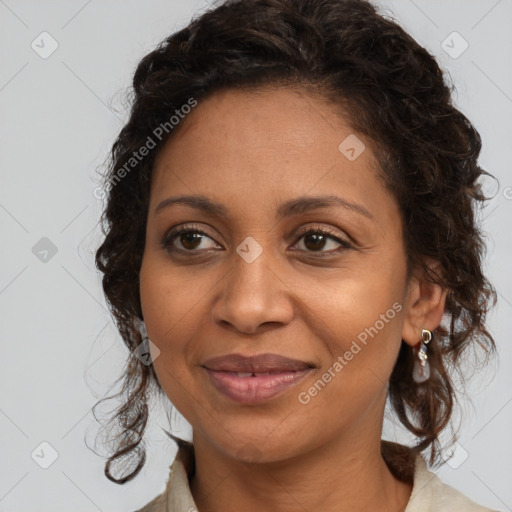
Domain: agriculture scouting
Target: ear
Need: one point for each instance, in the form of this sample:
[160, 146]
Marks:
[424, 305]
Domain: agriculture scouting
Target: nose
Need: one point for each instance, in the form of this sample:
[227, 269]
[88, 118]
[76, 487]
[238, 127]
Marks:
[253, 296]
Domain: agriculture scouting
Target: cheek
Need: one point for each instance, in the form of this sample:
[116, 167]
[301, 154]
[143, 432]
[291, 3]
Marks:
[171, 305]
[362, 356]
[349, 305]
[168, 300]
[360, 321]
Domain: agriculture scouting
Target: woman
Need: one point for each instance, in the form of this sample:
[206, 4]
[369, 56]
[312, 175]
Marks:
[290, 241]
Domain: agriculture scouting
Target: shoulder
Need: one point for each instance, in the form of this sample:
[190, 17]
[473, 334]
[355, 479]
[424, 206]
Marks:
[430, 493]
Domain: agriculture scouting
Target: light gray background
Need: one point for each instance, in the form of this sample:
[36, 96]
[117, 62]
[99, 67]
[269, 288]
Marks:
[60, 350]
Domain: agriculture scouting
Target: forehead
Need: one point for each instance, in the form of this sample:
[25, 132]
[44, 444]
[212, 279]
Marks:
[256, 146]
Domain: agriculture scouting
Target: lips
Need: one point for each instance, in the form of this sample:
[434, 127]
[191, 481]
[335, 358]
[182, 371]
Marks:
[260, 364]
[254, 379]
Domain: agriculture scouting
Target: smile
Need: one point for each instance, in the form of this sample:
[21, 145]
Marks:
[254, 378]
[252, 387]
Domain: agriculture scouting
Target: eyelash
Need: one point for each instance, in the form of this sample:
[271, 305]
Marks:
[175, 233]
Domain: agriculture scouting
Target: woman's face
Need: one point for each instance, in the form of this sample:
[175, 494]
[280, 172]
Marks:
[248, 280]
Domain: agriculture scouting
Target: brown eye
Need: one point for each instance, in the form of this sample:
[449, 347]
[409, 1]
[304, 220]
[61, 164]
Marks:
[315, 240]
[185, 239]
[190, 240]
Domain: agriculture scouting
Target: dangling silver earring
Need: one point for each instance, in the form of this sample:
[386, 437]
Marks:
[421, 370]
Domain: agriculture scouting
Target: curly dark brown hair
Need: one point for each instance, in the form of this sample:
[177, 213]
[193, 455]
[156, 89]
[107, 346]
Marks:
[394, 92]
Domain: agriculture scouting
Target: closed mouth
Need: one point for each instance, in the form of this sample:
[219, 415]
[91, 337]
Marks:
[250, 366]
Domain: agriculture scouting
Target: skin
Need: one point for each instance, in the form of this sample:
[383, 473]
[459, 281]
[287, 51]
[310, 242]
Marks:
[251, 151]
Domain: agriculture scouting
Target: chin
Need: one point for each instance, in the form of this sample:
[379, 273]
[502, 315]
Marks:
[251, 448]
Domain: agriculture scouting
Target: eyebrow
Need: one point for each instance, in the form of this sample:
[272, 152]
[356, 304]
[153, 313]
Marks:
[286, 209]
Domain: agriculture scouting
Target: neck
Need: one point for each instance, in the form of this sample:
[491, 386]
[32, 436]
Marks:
[347, 474]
